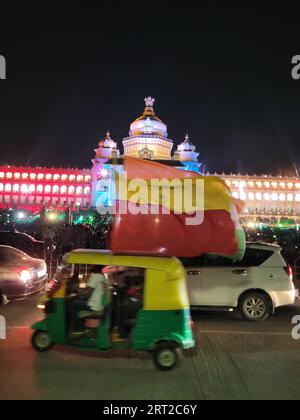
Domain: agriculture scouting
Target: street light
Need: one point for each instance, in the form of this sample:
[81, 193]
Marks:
[21, 215]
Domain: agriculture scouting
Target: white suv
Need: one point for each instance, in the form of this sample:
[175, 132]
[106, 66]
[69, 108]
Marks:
[257, 285]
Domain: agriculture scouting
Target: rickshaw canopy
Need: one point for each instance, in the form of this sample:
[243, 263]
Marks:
[165, 287]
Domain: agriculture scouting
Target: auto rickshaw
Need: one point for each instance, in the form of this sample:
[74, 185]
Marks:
[162, 326]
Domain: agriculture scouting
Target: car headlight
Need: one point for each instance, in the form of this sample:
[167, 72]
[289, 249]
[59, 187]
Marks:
[25, 276]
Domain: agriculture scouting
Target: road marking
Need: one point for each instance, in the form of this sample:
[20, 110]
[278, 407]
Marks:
[245, 332]
[269, 333]
[18, 328]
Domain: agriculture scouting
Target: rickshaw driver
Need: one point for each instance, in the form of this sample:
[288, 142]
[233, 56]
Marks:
[88, 299]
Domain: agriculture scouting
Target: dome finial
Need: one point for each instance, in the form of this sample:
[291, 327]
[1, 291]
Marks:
[187, 137]
[149, 102]
[107, 134]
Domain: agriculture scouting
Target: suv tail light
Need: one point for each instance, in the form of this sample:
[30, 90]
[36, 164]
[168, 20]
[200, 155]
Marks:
[289, 271]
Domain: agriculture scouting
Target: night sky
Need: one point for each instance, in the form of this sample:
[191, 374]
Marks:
[221, 73]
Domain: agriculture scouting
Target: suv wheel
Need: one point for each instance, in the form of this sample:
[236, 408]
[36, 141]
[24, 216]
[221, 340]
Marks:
[255, 306]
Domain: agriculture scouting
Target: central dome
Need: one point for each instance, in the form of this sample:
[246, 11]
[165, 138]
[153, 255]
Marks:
[148, 123]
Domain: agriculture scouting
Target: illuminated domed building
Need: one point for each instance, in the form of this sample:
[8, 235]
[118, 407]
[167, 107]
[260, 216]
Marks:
[148, 136]
[267, 198]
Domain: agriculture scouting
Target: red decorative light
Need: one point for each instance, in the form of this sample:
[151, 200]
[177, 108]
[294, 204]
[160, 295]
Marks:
[32, 188]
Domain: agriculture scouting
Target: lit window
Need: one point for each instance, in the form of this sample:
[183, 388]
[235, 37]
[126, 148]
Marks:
[1, 187]
[274, 184]
[16, 188]
[48, 177]
[267, 184]
[40, 176]
[87, 190]
[31, 188]
[79, 190]
[290, 185]
[55, 189]
[25, 175]
[236, 183]
[72, 178]
[297, 185]
[63, 189]
[251, 184]
[32, 176]
[282, 197]
[251, 196]
[104, 174]
[274, 197]
[47, 189]
[1, 174]
[267, 196]
[64, 177]
[242, 183]
[71, 190]
[9, 175]
[39, 188]
[88, 178]
[56, 177]
[297, 197]
[17, 175]
[259, 184]
[243, 195]
[290, 197]
[235, 194]
[8, 187]
[80, 178]
[282, 184]
[227, 182]
[24, 188]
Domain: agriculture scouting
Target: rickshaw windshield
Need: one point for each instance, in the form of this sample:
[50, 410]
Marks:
[63, 271]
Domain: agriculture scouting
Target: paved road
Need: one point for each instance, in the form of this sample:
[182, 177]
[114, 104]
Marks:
[235, 360]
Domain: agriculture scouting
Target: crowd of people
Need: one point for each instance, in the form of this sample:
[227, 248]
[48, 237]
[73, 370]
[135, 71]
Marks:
[288, 239]
[61, 237]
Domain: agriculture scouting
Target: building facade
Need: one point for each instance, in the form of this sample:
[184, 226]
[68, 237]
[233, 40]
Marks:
[267, 198]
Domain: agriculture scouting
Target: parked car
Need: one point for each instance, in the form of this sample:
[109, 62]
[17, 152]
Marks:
[20, 274]
[23, 242]
[257, 285]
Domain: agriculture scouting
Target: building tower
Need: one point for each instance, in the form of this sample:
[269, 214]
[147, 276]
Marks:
[148, 136]
[100, 178]
[186, 153]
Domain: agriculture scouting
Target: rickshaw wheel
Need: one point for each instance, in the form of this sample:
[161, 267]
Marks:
[41, 341]
[166, 355]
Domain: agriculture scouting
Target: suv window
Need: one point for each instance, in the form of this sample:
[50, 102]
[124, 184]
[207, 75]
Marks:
[207, 260]
[193, 261]
[254, 257]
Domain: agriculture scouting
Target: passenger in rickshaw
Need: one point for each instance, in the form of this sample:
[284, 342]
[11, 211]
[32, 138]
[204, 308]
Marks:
[128, 304]
[89, 299]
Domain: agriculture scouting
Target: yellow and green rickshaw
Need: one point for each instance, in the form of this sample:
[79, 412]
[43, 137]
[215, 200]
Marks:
[162, 325]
